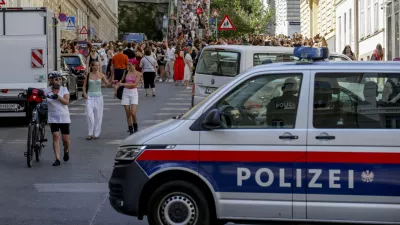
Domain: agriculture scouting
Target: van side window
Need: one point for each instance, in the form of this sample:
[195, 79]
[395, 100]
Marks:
[262, 58]
[268, 101]
[220, 63]
[357, 100]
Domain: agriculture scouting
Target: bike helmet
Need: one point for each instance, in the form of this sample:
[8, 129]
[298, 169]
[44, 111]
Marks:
[54, 74]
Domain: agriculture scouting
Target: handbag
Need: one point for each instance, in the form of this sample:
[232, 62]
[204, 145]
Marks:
[120, 89]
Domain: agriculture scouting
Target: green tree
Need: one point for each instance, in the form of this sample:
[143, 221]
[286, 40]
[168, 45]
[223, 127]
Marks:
[139, 18]
[248, 16]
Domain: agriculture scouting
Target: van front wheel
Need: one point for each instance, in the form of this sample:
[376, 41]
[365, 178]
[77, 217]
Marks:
[178, 202]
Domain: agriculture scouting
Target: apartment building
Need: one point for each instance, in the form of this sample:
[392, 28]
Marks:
[287, 17]
[318, 17]
[392, 23]
[346, 31]
[371, 27]
[98, 16]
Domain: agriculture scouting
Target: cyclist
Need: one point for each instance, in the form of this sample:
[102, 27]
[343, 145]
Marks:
[58, 115]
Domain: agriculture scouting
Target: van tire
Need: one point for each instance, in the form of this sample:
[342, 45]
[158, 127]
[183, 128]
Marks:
[181, 193]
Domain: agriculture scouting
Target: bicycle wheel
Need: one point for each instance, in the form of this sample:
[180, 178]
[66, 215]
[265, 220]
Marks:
[38, 150]
[30, 144]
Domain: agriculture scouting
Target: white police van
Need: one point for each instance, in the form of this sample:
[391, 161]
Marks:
[326, 150]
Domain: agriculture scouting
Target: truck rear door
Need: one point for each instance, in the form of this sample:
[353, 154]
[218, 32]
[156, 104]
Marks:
[23, 44]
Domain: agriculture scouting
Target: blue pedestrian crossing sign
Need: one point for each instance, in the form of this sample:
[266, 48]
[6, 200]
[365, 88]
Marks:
[70, 22]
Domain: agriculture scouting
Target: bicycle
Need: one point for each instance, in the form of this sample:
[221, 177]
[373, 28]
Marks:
[37, 125]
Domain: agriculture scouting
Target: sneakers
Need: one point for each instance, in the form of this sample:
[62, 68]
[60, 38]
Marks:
[66, 156]
[57, 163]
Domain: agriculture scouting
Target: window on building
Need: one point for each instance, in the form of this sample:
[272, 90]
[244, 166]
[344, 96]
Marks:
[362, 15]
[389, 32]
[340, 32]
[397, 37]
[376, 16]
[345, 29]
[369, 17]
[354, 100]
[350, 27]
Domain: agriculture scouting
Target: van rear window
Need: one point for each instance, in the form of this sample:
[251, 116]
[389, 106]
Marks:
[220, 63]
[264, 58]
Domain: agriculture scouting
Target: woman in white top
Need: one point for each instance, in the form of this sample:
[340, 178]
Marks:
[149, 65]
[94, 99]
[58, 115]
[188, 66]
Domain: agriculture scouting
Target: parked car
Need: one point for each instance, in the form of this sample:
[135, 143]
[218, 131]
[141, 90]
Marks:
[76, 61]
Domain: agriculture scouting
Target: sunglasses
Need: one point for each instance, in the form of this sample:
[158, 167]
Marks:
[57, 79]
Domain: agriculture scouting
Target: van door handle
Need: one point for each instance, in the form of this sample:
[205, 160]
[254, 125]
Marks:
[325, 137]
[291, 137]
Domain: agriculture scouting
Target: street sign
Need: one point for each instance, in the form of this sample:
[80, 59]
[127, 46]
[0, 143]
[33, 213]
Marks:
[83, 30]
[2, 2]
[68, 24]
[226, 24]
[215, 13]
[62, 17]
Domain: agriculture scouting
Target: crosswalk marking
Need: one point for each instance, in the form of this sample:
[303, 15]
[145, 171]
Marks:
[82, 108]
[150, 121]
[167, 114]
[114, 142]
[179, 103]
[174, 109]
[177, 99]
[77, 114]
[189, 95]
[72, 187]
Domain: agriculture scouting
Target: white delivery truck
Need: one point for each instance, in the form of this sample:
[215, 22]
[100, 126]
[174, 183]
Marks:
[29, 49]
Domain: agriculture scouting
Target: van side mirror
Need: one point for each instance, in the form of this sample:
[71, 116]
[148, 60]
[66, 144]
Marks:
[212, 120]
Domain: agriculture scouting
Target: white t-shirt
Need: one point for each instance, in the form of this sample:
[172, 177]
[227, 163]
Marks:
[171, 54]
[103, 54]
[57, 112]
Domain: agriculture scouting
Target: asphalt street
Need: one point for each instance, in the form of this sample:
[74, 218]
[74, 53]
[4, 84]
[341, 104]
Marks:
[75, 193]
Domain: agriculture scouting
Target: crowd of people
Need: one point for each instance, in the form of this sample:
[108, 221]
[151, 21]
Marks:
[126, 66]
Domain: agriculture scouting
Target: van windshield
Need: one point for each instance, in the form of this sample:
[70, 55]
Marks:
[221, 63]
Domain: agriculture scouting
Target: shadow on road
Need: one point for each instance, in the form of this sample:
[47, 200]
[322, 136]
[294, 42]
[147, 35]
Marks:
[13, 122]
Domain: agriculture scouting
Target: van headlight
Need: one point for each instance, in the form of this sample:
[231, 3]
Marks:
[128, 152]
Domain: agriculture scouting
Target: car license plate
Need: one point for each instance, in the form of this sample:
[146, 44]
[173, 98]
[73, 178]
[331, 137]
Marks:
[209, 90]
[8, 106]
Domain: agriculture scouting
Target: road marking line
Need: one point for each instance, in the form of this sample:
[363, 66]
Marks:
[189, 95]
[77, 109]
[77, 114]
[174, 109]
[72, 187]
[150, 121]
[177, 99]
[167, 114]
[115, 142]
[179, 103]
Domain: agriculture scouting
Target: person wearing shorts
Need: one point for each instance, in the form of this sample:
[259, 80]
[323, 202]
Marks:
[130, 95]
[58, 115]
[120, 63]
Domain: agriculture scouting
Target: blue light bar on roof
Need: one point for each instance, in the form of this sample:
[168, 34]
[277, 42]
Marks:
[311, 53]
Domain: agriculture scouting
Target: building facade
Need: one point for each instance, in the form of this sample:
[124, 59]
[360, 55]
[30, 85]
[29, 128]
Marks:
[346, 32]
[318, 17]
[99, 17]
[371, 27]
[392, 24]
[287, 17]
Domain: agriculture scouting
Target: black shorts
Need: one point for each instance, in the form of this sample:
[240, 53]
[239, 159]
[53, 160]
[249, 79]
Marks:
[57, 127]
[118, 74]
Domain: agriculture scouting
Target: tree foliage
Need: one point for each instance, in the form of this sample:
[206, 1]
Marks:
[248, 16]
[139, 18]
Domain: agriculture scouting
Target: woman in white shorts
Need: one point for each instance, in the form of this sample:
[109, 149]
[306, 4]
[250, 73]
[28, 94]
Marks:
[130, 96]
